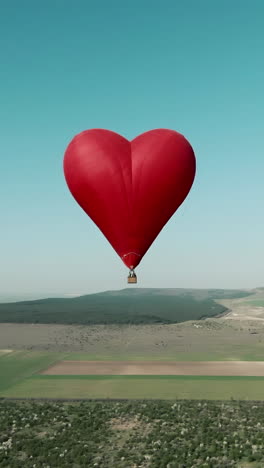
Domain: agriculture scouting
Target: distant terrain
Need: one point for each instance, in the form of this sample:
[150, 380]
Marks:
[249, 308]
[234, 338]
[128, 306]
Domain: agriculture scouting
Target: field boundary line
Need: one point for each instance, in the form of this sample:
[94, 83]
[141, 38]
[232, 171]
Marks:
[142, 377]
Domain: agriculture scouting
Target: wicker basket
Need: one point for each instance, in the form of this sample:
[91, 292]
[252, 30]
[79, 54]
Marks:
[132, 279]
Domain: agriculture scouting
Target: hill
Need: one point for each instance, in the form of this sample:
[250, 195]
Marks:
[135, 306]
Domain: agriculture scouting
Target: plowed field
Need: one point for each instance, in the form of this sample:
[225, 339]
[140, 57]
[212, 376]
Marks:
[233, 368]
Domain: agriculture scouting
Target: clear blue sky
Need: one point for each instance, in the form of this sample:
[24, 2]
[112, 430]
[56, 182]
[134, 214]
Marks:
[193, 66]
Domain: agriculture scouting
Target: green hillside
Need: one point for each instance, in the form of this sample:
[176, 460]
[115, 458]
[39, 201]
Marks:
[126, 306]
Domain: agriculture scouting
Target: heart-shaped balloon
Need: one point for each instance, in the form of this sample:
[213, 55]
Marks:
[129, 189]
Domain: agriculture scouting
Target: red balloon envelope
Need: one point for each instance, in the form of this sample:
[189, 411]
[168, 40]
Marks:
[129, 189]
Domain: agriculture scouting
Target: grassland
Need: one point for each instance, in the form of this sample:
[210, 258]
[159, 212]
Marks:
[212, 339]
[135, 387]
[18, 365]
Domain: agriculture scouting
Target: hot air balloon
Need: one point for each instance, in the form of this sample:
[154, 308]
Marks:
[130, 189]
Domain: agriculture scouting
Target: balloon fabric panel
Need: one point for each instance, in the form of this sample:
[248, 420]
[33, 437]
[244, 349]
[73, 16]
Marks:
[129, 189]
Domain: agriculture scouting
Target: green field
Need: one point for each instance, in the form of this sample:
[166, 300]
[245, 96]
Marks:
[221, 388]
[18, 365]
[258, 303]
[224, 353]
[20, 378]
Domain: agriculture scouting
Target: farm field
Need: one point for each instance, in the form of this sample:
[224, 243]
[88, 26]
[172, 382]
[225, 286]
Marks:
[22, 377]
[144, 368]
[18, 365]
[111, 387]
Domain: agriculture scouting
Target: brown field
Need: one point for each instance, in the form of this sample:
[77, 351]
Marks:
[221, 368]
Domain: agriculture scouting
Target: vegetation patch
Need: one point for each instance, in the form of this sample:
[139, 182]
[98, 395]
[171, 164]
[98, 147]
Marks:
[138, 306]
[190, 434]
[207, 340]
